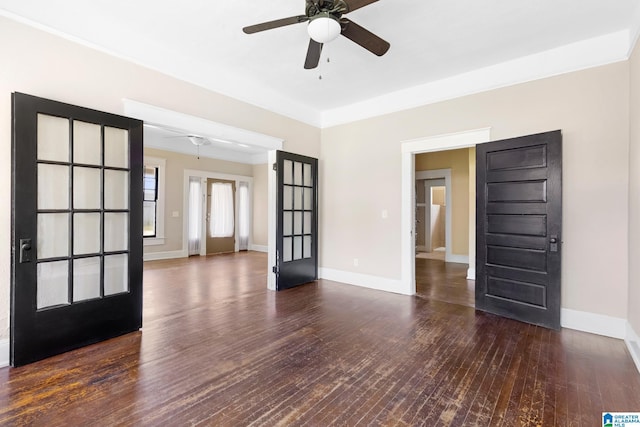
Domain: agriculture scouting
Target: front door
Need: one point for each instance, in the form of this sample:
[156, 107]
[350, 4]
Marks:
[76, 227]
[519, 228]
[297, 220]
[221, 237]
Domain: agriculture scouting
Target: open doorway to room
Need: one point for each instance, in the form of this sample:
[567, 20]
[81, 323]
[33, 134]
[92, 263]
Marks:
[445, 202]
[450, 157]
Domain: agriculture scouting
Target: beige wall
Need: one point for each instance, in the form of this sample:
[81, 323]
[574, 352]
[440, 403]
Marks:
[260, 193]
[40, 64]
[592, 109]
[176, 164]
[634, 192]
[458, 162]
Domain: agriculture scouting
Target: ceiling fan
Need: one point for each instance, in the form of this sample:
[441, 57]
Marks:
[326, 22]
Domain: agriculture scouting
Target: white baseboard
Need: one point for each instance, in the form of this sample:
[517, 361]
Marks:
[362, 280]
[154, 256]
[599, 324]
[258, 248]
[460, 259]
[4, 353]
[471, 274]
[633, 344]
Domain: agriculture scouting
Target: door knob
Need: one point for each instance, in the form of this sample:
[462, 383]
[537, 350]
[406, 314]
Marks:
[25, 250]
[553, 240]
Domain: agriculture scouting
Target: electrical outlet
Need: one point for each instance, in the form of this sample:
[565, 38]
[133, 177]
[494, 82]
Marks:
[175, 214]
[355, 262]
[385, 214]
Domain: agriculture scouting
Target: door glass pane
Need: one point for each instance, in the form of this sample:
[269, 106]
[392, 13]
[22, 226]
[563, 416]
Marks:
[116, 147]
[297, 223]
[287, 172]
[116, 279]
[87, 146]
[116, 232]
[307, 175]
[297, 173]
[53, 284]
[286, 249]
[53, 235]
[287, 220]
[53, 138]
[86, 278]
[286, 197]
[297, 247]
[53, 187]
[86, 233]
[306, 247]
[307, 222]
[308, 192]
[86, 188]
[116, 189]
[297, 198]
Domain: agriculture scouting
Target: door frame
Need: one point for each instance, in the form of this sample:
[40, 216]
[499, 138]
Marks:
[204, 175]
[446, 175]
[409, 149]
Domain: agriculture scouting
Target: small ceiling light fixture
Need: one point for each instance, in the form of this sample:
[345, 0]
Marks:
[198, 141]
[324, 27]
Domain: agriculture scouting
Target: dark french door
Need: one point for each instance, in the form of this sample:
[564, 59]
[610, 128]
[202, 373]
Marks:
[519, 228]
[297, 220]
[76, 227]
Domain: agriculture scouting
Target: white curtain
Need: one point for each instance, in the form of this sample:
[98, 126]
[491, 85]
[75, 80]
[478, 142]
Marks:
[243, 216]
[195, 215]
[221, 223]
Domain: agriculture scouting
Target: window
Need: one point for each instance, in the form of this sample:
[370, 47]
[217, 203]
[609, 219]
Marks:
[150, 203]
[153, 200]
[222, 221]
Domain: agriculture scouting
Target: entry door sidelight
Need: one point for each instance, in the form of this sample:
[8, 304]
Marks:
[297, 220]
[76, 227]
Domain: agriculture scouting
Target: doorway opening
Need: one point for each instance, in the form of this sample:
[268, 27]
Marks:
[456, 252]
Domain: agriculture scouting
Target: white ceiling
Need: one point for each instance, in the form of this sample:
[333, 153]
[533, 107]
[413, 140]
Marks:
[202, 42]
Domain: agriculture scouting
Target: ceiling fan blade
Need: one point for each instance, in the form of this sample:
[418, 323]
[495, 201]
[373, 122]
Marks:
[275, 24]
[357, 4]
[364, 38]
[313, 55]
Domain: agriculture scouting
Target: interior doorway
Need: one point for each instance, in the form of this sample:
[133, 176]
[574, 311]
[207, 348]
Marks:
[410, 151]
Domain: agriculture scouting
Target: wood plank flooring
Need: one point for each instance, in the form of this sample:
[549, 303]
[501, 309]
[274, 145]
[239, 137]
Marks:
[218, 349]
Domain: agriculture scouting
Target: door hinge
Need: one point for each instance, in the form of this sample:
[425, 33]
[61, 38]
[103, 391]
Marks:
[275, 167]
[275, 269]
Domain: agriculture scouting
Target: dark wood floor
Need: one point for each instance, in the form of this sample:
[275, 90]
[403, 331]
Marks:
[218, 349]
[444, 281]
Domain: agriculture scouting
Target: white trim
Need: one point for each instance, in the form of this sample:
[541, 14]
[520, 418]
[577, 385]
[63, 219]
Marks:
[448, 229]
[581, 55]
[599, 324]
[259, 248]
[4, 353]
[633, 344]
[362, 280]
[154, 256]
[471, 273]
[271, 219]
[153, 241]
[459, 259]
[407, 221]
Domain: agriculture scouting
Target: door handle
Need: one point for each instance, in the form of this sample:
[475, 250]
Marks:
[553, 243]
[25, 250]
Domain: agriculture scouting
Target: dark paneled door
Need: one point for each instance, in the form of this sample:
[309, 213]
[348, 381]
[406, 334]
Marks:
[76, 227]
[297, 220]
[519, 228]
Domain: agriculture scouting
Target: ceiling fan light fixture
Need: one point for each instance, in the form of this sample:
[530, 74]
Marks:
[198, 140]
[324, 28]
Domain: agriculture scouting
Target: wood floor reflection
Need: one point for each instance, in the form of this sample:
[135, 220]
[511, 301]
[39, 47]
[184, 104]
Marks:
[444, 281]
[218, 349]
